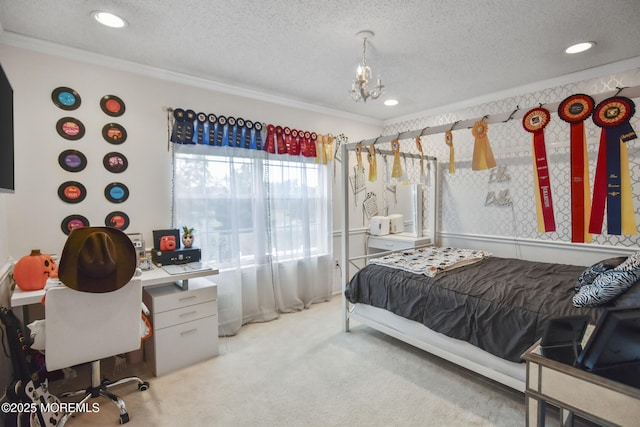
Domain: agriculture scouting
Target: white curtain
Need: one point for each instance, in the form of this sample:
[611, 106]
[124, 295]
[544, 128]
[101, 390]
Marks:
[264, 221]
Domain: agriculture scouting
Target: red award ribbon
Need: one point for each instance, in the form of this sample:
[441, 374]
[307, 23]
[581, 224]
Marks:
[613, 180]
[535, 121]
[575, 110]
[270, 145]
[482, 154]
[294, 147]
[448, 139]
[312, 145]
[282, 147]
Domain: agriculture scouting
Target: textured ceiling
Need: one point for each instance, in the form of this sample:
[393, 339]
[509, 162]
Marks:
[430, 53]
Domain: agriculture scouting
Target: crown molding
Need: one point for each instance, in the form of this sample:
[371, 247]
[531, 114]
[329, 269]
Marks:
[54, 49]
[590, 73]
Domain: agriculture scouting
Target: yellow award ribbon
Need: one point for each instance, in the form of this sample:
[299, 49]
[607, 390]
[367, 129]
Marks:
[330, 147]
[396, 170]
[359, 155]
[482, 154]
[419, 146]
[373, 164]
[448, 139]
[628, 214]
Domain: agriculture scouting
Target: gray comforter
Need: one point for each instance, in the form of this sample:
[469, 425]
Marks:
[498, 304]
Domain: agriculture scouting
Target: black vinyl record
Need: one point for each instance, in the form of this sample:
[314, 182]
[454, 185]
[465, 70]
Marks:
[72, 192]
[117, 219]
[115, 162]
[66, 98]
[72, 222]
[114, 133]
[72, 160]
[112, 106]
[70, 128]
[116, 192]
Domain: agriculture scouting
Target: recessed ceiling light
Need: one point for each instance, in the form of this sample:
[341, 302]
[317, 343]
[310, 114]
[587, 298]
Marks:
[580, 47]
[391, 102]
[109, 19]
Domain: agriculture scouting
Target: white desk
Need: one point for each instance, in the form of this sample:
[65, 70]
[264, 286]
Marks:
[154, 277]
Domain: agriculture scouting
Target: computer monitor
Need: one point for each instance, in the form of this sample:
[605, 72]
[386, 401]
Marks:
[613, 350]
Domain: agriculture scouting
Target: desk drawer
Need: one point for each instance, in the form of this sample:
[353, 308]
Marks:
[185, 344]
[172, 297]
[185, 314]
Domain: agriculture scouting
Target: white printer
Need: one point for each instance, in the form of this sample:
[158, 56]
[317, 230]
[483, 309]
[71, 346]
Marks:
[379, 225]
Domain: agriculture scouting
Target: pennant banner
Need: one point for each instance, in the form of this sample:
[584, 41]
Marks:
[612, 185]
[535, 121]
[575, 110]
[448, 139]
[482, 154]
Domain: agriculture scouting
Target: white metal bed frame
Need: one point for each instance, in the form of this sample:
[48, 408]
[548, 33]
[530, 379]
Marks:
[456, 351]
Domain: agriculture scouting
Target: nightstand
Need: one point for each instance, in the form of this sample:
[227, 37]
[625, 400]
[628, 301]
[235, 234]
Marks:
[575, 391]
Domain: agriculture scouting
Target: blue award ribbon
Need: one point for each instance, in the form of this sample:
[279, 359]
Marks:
[213, 129]
[247, 131]
[223, 134]
[177, 136]
[201, 135]
[190, 118]
[242, 132]
[233, 131]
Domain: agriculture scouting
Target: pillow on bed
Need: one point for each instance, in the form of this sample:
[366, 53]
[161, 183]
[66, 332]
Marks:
[588, 276]
[609, 284]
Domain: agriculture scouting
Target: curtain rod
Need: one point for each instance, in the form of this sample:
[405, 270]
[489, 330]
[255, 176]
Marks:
[518, 113]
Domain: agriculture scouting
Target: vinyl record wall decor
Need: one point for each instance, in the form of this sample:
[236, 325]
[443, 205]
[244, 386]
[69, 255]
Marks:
[117, 219]
[112, 106]
[70, 128]
[115, 162]
[66, 98]
[116, 192]
[73, 221]
[72, 192]
[114, 133]
[72, 160]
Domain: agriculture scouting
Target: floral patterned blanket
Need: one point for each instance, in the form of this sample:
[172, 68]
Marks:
[430, 260]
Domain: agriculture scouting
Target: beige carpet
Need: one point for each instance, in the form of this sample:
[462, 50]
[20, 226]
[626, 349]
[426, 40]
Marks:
[302, 370]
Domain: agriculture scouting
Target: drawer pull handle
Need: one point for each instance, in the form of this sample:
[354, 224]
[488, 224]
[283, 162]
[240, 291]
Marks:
[186, 298]
[189, 332]
[191, 313]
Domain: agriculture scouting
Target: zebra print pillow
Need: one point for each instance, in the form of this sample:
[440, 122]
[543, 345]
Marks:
[588, 276]
[608, 284]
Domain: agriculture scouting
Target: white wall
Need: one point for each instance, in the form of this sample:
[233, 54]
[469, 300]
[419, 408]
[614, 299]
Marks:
[31, 217]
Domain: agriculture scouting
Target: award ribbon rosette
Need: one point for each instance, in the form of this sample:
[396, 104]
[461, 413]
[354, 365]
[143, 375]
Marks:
[396, 168]
[213, 129]
[295, 143]
[223, 131]
[280, 144]
[575, 110]
[270, 145]
[535, 121]
[201, 136]
[190, 118]
[373, 164]
[178, 134]
[448, 139]
[482, 154]
[612, 184]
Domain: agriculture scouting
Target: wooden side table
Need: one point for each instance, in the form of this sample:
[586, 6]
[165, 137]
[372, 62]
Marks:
[575, 391]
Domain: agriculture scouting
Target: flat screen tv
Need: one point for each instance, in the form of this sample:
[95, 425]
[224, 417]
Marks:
[7, 179]
[613, 349]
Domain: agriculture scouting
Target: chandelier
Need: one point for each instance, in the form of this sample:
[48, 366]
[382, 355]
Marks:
[359, 87]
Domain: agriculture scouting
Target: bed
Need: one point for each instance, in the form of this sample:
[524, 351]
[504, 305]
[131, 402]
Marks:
[481, 316]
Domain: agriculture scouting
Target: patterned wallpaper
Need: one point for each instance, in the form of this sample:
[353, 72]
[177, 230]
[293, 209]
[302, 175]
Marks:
[463, 200]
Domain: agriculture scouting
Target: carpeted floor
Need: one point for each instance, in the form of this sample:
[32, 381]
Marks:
[302, 370]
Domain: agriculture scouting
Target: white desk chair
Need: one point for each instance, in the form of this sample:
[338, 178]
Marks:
[86, 327]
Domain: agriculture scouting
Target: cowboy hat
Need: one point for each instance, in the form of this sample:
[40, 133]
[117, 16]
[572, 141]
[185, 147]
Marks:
[97, 259]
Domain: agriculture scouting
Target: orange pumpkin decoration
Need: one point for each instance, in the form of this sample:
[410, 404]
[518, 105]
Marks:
[32, 271]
